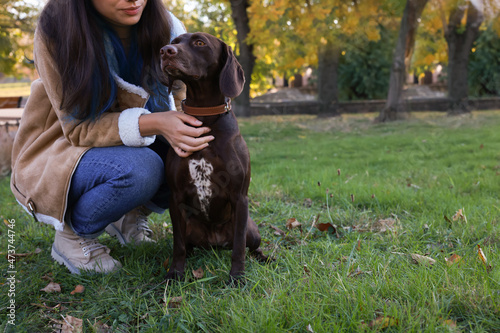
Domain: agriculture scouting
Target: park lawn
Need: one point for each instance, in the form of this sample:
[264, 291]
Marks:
[388, 191]
[17, 89]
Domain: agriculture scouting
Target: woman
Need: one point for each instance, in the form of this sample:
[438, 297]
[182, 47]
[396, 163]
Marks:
[85, 158]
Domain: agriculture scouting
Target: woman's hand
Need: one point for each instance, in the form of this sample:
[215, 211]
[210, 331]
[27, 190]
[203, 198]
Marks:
[182, 131]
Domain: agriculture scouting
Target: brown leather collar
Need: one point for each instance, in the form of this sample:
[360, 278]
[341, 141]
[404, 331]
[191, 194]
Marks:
[206, 111]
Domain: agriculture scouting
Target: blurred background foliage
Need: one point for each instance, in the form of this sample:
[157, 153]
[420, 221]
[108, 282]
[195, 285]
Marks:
[484, 64]
[287, 35]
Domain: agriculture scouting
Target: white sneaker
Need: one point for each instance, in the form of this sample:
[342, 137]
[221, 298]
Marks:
[132, 227]
[78, 253]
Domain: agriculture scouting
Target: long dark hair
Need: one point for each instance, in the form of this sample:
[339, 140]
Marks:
[73, 31]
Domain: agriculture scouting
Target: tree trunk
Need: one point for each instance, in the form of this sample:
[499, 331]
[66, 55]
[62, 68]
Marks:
[285, 80]
[328, 63]
[246, 57]
[460, 42]
[395, 107]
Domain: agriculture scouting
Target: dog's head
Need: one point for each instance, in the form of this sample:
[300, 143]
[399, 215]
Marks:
[202, 57]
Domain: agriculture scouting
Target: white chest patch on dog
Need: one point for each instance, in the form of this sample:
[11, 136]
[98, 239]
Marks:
[200, 172]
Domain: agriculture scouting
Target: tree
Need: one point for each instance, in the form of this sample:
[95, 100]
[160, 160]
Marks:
[446, 37]
[222, 18]
[430, 45]
[460, 37]
[315, 33]
[328, 91]
[246, 57]
[394, 108]
[16, 29]
[211, 16]
[349, 27]
[278, 48]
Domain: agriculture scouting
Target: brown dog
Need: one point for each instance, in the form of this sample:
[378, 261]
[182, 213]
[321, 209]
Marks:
[209, 203]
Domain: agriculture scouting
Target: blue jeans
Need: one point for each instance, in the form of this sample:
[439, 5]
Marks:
[110, 182]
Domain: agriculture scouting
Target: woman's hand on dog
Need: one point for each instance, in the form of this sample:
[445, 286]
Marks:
[182, 131]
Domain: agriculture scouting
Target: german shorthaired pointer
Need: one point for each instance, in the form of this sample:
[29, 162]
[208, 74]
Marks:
[209, 204]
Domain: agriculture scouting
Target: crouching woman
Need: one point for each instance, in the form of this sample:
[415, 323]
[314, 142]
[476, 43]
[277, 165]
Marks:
[86, 158]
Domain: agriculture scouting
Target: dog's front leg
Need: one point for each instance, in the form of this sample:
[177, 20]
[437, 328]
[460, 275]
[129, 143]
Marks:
[176, 271]
[239, 242]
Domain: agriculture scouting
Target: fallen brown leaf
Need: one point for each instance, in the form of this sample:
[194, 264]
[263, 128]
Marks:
[453, 259]
[481, 255]
[460, 215]
[48, 277]
[52, 287]
[422, 260]
[175, 302]
[383, 225]
[100, 327]
[69, 324]
[78, 290]
[326, 227]
[72, 324]
[358, 228]
[198, 273]
[483, 258]
[450, 323]
[292, 223]
[383, 322]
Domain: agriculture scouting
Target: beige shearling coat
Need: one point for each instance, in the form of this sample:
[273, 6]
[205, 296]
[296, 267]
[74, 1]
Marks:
[49, 145]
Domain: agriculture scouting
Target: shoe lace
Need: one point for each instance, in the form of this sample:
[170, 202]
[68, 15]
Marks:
[142, 223]
[90, 245]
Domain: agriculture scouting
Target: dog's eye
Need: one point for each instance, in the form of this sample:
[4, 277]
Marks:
[199, 43]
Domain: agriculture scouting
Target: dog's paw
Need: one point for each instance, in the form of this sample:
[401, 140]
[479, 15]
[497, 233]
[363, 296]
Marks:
[261, 257]
[236, 281]
[267, 259]
[174, 275]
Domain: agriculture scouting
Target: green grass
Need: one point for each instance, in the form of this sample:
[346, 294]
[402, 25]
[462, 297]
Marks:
[360, 279]
[15, 89]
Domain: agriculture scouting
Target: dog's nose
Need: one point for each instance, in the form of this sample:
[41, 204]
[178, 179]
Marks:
[168, 51]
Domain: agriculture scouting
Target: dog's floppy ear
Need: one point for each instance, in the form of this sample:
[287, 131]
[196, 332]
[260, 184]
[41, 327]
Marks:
[232, 77]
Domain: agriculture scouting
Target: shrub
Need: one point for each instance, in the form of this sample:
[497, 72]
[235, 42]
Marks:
[484, 65]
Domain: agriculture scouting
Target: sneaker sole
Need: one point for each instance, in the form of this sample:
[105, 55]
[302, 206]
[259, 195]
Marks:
[113, 231]
[63, 260]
